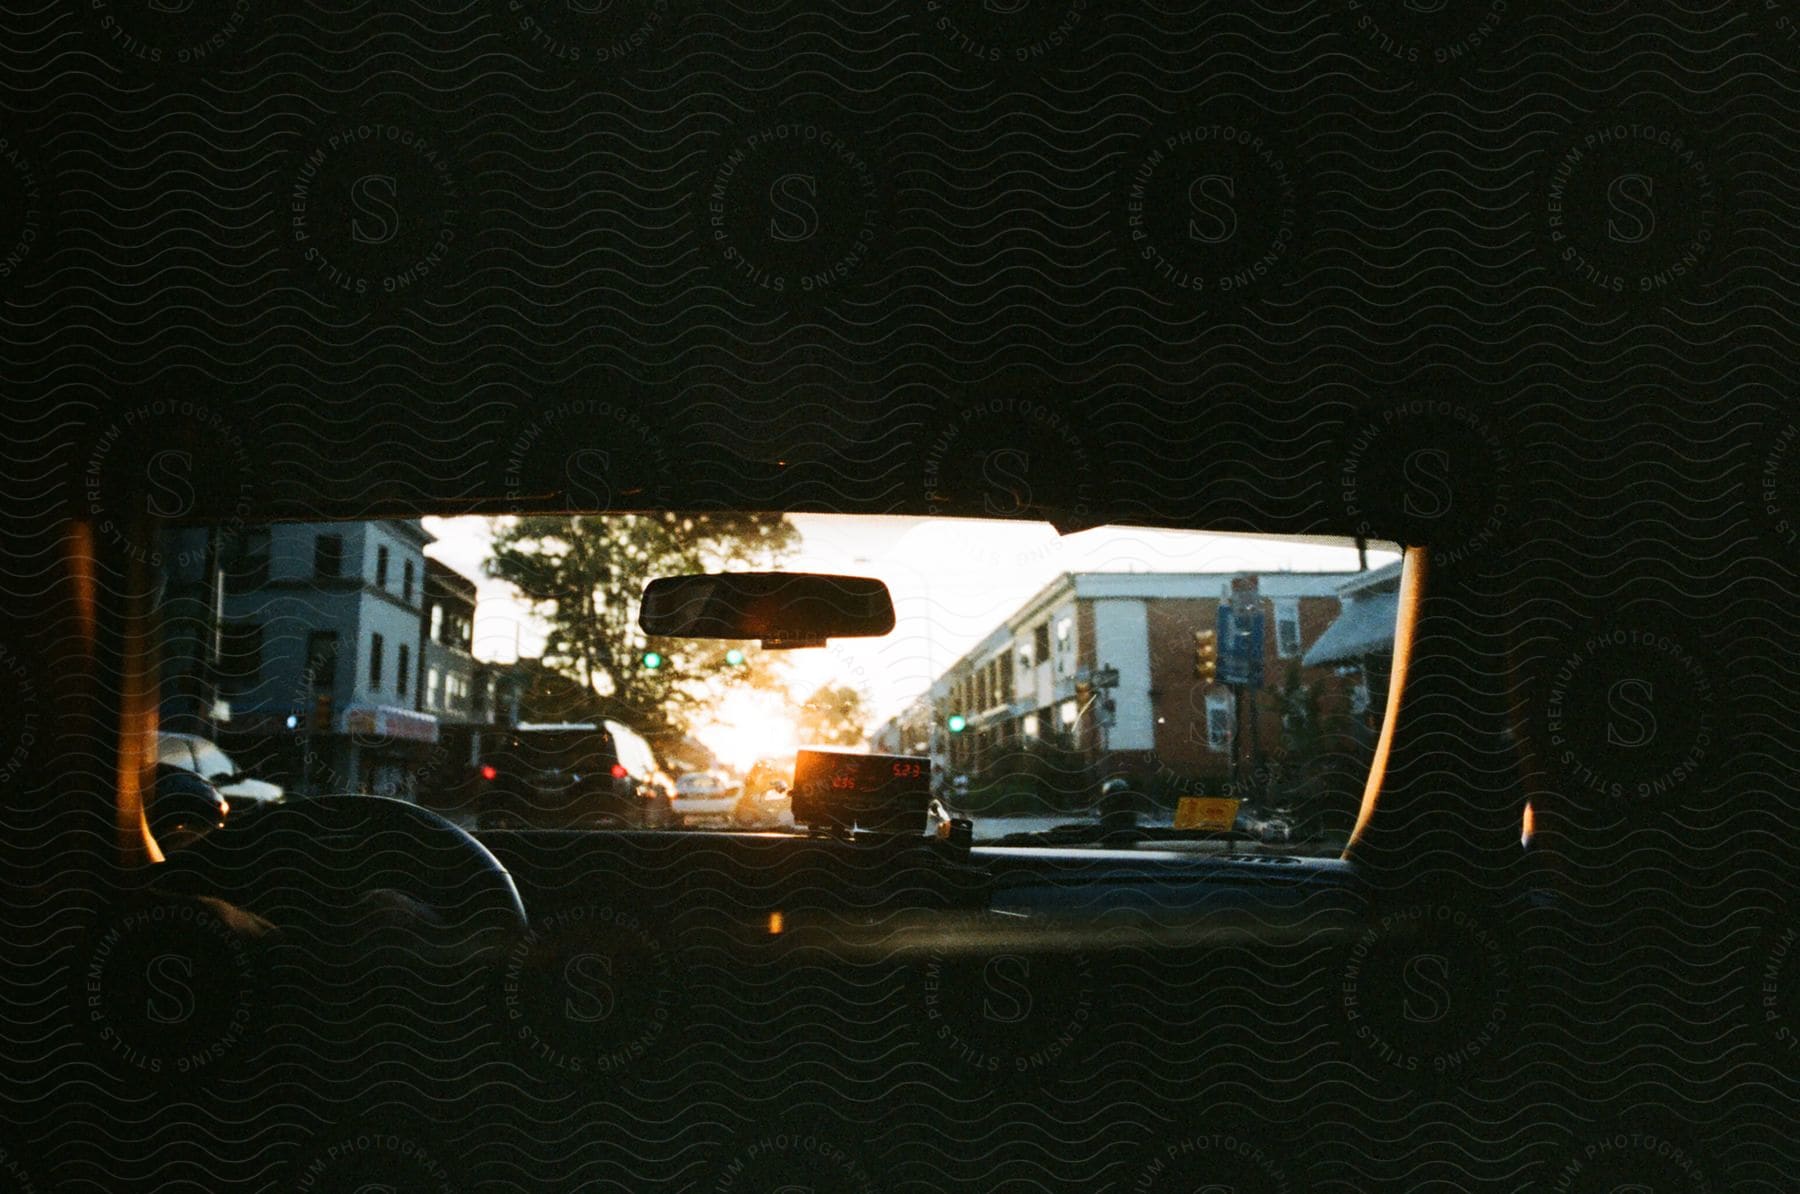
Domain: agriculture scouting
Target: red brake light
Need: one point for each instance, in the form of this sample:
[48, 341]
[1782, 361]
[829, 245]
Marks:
[618, 771]
[488, 771]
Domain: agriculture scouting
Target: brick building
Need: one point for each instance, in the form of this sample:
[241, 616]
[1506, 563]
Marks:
[1028, 680]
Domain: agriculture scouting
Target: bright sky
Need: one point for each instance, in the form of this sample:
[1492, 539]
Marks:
[952, 580]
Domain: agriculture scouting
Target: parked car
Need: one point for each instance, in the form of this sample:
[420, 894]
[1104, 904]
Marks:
[181, 805]
[565, 775]
[704, 799]
[191, 752]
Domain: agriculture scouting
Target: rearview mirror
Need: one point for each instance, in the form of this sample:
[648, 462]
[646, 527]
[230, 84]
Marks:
[781, 609]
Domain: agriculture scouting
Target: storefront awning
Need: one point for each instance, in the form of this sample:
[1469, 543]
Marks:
[391, 721]
[1366, 627]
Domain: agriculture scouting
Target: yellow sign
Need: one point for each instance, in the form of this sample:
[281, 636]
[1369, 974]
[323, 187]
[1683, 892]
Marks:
[1205, 812]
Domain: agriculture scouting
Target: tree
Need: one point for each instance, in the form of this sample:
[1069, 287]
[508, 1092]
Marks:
[585, 575]
[833, 716]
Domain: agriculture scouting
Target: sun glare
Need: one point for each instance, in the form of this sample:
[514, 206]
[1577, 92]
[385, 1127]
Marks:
[747, 726]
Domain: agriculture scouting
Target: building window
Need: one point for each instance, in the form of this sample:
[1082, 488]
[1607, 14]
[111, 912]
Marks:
[406, 579]
[1064, 628]
[1287, 629]
[381, 559]
[1218, 721]
[328, 555]
[321, 660]
[1068, 712]
[403, 668]
[1030, 724]
[1041, 642]
[434, 688]
[240, 655]
[374, 662]
[249, 564]
[1006, 680]
[437, 623]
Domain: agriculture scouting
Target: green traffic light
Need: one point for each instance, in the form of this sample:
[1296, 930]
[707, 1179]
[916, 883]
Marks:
[652, 660]
[956, 722]
[734, 657]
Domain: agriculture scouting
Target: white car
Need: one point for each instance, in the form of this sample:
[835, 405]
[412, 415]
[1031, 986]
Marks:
[191, 752]
[1267, 827]
[703, 799]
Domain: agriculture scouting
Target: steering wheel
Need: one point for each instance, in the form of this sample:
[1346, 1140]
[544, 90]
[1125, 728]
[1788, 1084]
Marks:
[312, 853]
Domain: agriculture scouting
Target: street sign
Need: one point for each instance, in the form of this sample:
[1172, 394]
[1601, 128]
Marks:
[1240, 647]
[1246, 594]
[1205, 812]
[391, 721]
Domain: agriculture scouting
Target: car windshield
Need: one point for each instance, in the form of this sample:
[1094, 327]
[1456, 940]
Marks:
[1113, 685]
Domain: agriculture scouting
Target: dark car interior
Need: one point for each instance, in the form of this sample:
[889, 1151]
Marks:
[1330, 273]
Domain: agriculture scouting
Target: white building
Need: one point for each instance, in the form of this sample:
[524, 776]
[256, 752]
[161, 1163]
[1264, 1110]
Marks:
[318, 652]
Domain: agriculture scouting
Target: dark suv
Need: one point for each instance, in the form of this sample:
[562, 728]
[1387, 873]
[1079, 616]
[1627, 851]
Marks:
[567, 775]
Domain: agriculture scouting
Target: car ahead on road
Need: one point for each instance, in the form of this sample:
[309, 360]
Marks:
[191, 752]
[1266, 826]
[182, 805]
[568, 775]
[652, 789]
[703, 799]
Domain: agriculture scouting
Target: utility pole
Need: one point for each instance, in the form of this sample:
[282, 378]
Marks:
[1256, 772]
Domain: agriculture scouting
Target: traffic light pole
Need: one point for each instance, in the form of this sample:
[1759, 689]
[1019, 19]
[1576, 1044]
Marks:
[1237, 741]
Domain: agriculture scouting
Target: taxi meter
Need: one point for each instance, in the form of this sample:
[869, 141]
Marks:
[838, 789]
